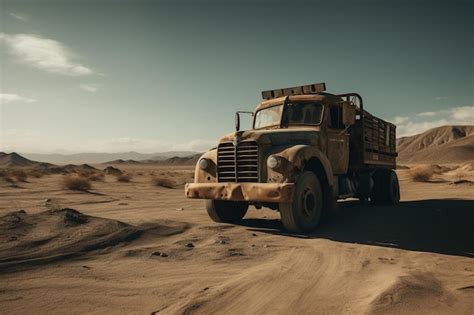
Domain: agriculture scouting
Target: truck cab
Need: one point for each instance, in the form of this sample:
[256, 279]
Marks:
[307, 148]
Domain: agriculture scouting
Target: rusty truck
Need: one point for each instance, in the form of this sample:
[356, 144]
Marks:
[307, 148]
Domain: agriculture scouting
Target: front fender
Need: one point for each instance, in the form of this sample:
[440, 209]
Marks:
[210, 175]
[297, 156]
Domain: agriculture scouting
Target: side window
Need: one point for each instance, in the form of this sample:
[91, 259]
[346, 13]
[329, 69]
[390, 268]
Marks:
[336, 117]
[304, 113]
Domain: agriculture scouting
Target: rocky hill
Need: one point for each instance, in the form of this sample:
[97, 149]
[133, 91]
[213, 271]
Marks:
[446, 144]
[8, 160]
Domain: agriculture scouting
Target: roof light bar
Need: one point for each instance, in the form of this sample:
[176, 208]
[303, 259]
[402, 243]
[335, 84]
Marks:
[297, 90]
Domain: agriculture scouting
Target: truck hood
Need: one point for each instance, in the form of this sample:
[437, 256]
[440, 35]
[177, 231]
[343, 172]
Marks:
[308, 136]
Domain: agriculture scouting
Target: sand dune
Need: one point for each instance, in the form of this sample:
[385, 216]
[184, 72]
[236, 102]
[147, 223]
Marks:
[32, 239]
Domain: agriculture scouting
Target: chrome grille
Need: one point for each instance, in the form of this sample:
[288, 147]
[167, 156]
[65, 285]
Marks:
[247, 161]
[226, 162]
[237, 164]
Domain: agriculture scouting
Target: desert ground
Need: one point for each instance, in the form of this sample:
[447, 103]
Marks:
[134, 248]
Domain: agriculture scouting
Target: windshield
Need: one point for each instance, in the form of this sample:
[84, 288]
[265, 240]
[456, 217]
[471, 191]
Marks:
[304, 113]
[267, 117]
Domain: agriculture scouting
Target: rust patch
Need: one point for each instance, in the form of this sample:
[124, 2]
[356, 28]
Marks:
[261, 192]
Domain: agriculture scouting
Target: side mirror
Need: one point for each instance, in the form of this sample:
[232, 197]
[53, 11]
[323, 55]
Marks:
[237, 121]
[348, 114]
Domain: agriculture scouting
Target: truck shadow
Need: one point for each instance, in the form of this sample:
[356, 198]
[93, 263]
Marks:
[444, 226]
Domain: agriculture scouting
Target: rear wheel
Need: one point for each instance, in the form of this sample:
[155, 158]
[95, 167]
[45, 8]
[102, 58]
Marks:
[226, 211]
[386, 188]
[304, 213]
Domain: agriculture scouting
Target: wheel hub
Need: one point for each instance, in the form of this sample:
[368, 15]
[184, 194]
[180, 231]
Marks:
[309, 202]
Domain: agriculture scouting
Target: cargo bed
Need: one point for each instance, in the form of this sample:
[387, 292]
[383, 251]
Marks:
[379, 142]
[372, 139]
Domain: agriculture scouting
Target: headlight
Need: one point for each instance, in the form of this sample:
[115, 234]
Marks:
[273, 161]
[204, 164]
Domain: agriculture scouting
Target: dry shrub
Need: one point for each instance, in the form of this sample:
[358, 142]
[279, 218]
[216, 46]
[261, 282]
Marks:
[20, 175]
[76, 183]
[124, 178]
[36, 173]
[421, 173]
[139, 173]
[163, 182]
[96, 177]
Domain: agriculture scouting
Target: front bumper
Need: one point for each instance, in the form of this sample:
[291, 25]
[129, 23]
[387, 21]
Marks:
[258, 192]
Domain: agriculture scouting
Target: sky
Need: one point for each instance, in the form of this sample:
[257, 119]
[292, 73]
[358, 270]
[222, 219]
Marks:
[151, 76]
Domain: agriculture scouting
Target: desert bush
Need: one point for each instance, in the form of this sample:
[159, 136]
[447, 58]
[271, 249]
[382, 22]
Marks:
[421, 173]
[36, 173]
[76, 183]
[20, 175]
[163, 182]
[139, 173]
[96, 177]
[124, 178]
[83, 173]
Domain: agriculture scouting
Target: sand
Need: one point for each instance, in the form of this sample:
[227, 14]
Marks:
[134, 248]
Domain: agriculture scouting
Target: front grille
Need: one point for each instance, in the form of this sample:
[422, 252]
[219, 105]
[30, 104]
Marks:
[237, 164]
[226, 162]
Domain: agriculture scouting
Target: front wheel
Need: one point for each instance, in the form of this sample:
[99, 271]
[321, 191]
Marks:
[224, 211]
[303, 214]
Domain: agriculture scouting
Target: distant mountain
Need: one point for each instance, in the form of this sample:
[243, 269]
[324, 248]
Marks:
[13, 159]
[120, 161]
[447, 144]
[175, 160]
[187, 160]
[92, 157]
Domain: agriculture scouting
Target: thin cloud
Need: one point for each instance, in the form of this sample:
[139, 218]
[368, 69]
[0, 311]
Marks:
[20, 17]
[92, 88]
[407, 126]
[427, 114]
[400, 120]
[44, 54]
[9, 98]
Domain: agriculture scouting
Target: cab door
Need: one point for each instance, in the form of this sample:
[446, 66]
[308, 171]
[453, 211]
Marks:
[337, 140]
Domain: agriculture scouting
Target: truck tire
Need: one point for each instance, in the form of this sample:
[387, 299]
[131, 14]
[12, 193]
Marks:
[386, 188]
[304, 213]
[224, 211]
